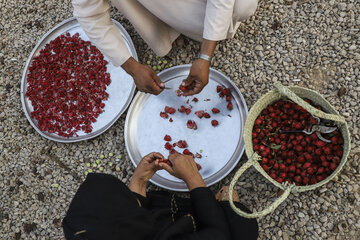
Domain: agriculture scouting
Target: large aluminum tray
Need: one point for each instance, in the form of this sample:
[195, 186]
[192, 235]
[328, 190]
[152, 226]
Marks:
[222, 146]
[121, 89]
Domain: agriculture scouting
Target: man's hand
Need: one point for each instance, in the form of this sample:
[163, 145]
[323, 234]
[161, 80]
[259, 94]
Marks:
[144, 171]
[184, 167]
[199, 71]
[145, 78]
[198, 77]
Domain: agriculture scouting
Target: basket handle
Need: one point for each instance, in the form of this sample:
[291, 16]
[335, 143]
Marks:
[267, 210]
[314, 111]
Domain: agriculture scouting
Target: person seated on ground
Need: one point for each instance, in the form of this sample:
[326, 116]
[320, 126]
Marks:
[159, 23]
[105, 208]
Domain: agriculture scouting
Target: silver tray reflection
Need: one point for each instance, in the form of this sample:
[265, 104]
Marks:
[221, 146]
[121, 88]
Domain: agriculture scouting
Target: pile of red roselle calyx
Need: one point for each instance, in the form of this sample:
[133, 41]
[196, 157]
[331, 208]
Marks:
[294, 157]
[66, 86]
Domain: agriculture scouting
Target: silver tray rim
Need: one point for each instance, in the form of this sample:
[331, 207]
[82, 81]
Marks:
[208, 181]
[55, 137]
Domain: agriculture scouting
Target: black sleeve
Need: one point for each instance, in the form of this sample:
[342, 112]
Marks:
[209, 216]
[143, 200]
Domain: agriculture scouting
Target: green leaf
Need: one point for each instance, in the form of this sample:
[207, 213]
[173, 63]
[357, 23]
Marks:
[274, 146]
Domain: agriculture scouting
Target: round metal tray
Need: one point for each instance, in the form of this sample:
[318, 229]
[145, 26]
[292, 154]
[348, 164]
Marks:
[120, 90]
[221, 146]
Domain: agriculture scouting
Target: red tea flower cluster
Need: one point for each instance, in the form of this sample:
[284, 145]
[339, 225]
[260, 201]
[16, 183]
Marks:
[66, 86]
[294, 157]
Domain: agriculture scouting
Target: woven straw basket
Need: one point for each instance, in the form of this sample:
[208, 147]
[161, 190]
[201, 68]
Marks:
[296, 94]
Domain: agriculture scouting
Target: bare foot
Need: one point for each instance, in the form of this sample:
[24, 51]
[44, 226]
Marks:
[223, 195]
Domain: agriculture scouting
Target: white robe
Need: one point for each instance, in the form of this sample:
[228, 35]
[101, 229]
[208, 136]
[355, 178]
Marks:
[160, 22]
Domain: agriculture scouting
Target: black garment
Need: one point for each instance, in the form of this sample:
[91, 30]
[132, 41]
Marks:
[104, 208]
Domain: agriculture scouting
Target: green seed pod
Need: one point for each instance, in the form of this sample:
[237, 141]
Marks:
[94, 165]
[120, 156]
[98, 161]
[159, 67]
[148, 62]
[90, 170]
[88, 164]
[102, 156]
[56, 185]
[110, 164]
[111, 154]
[154, 68]
[165, 62]
[101, 169]
[118, 169]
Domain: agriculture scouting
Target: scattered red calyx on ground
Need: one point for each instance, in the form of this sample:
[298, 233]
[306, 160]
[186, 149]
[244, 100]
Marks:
[294, 157]
[67, 84]
[164, 115]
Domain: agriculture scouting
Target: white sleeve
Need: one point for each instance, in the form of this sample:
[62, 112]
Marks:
[94, 18]
[218, 17]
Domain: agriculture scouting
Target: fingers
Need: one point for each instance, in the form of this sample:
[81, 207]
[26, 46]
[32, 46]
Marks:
[167, 168]
[158, 81]
[187, 81]
[195, 88]
[151, 157]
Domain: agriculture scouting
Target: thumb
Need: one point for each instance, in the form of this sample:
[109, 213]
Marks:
[158, 81]
[187, 81]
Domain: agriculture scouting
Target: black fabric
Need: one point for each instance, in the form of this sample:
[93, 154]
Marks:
[104, 208]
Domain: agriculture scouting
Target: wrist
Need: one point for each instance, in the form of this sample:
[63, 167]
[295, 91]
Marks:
[130, 65]
[195, 182]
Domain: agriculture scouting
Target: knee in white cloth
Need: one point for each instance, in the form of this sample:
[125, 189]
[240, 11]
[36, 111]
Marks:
[244, 9]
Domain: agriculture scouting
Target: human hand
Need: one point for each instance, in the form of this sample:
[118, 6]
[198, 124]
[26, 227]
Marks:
[144, 171]
[184, 167]
[146, 79]
[198, 77]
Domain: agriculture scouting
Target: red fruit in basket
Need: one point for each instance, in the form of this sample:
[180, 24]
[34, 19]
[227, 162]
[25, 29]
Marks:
[333, 166]
[195, 99]
[215, 110]
[292, 137]
[272, 115]
[228, 98]
[305, 180]
[320, 143]
[188, 111]
[168, 146]
[288, 161]
[273, 175]
[283, 175]
[264, 160]
[307, 156]
[319, 178]
[325, 164]
[310, 171]
[327, 150]
[191, 124]
[226, 91]
[298, 171]
[282, 167]
[339, 153]
[320, 170]
[214, 123]
[169, 110]
[341, 141]
[292, 168]
[298, 179]
[200, 113]
[306, 165]
[301, 159]
[294, 142]
[308, 139]
[265, 167]
[181, 109]
[276, 166]
[218, 88]
[310, 148]
[164, 115]
[280, 180]
[230, 106]
[299, 148]
[336, 160]
[258, 121]
[198, 155]
[318, 151]
[282, 136]
[298, 126]
[167, 138]
[206, 115]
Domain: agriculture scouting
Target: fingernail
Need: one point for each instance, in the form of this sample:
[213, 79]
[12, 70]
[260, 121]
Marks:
[162, 85]
[183, 84]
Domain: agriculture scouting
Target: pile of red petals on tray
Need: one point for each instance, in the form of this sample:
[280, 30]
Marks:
[294, 157]
[66, 86]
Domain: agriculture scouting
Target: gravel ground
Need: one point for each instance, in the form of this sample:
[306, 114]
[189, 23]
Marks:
[310, 43]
